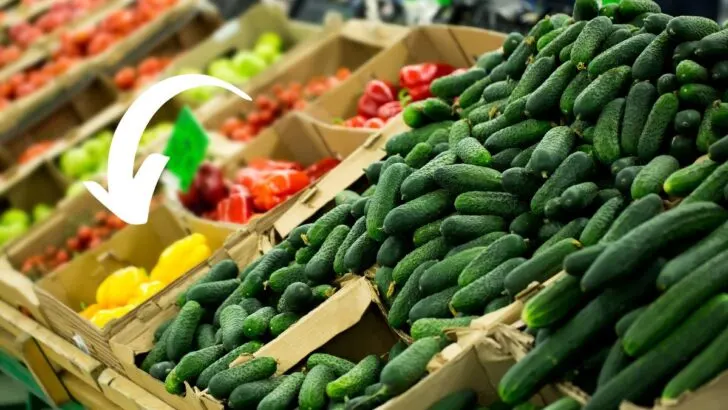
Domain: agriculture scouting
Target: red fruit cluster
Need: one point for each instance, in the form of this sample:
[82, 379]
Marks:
[383, 100]
[257, 188]
[293, 96]
[129, 78]
[86, 237]
[81, 44]
[35, 150]
[58, 14]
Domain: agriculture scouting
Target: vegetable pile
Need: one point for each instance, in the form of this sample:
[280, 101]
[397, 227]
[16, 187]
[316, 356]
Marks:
[592, 145]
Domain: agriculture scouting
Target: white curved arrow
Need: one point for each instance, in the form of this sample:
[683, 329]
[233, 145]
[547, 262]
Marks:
[129, 196]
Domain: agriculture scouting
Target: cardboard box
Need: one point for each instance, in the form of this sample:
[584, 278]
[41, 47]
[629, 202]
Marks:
[458, 46]
[293, 138]
[61, 298]
[338, 48]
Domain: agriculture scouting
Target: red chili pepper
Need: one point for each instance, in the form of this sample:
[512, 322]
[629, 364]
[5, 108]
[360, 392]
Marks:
[420, 92]
[389, 110]
[317, 170]
[354, 122]
[374, 123]
[367, 107]
[380, 91]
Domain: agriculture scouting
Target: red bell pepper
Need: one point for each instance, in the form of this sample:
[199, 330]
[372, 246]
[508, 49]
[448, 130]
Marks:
[375, 123]
[270, 164]
[317, 170]
[419, 92]
[235, 209]
[389, 110]
[419, 74]
[380, 91]
[354, 122]
[367, 107]
[283, 182]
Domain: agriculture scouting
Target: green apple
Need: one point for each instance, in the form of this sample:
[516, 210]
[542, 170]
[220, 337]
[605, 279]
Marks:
[272, 39]
[96, 150]
[198, 95]
[75, 189]
[223, 69]
[41, 212]
[248, 63]
[266, 52]
[76, 162]
[15, 216]
[10, 232]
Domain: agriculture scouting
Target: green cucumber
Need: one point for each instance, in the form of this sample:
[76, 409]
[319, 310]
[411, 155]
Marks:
[180, 338]
[191, 365]
[551, 305]
[474, 297]
[312, 395]
[453, 85]
[402, 143]
[665, 358]
[223, 383]
[541, 267]
[409, 216]
[420, 181]
[354, 382]
[502, 161]
[577, 263]
[385, 199]
[599, 224]
[472, 152]
[718, 151]
[633, 216]
[708, 132]
[688, 261]
[526, 225]
[419, 156]
[630, 9]
[407, 297]
[590, 40]
[511, 42]
[409, 366]
[606, 132]
[284, 395]
[624, 178]
[357, 230]
[698, 95]
[534, 370]
[281, 322]
[601, 91]
[575, 87]
[617, 360]
[428, 327]
[459, 178]
[503, 249]
[644, 241]
[433, 250]
[338, 365]
[297, 298]
[548, 95]
[535, 74]
[320, 268]
[521, 160]
[519, 135]
[484, 240]
[457, 229]
[651, 178]
[684, 181]
[255, 326]
[566, 37]
[445, 273]
[649, 64]
[624, 53]
[490, 203]
[688, 71]
[426, 233]
[571, 230]
[433, 306]
[574, 169]
[521, 182]
[579, 196]
[249, 395]
[711, 189]
[393, 249]
[691, 28]
[551, 151]
[658, 122]
[687, 122]
[323, 226]
[459, 400]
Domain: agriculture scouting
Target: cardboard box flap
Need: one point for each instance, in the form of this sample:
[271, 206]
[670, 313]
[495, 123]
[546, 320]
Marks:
[348, 172]
[340, 312]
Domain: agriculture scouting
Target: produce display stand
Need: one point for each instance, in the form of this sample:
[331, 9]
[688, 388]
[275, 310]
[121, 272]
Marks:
[28, 111]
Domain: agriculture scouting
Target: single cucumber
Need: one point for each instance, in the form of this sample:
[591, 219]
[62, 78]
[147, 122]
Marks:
[684, 181]
[577, 263]
[649, 64]
[502, 161]
[548, 95]
[474, 297]
[453, 85]
[407, 297]
[688, 261]
[687, 122]
[535, 74]
[630, 9]
[576, 168]
[521, 182]
[385, 199]
[698, 95]
[571, 230]
[579, 196]
[624, 178]
[433, 306]
[551, 151]
[519, 135]
[599, 224]
[393, 249]
[338, 365]
[606, 133]
[472, 152]
[541, 267]
[646, 240]
[426, 233]
[711, 189]
[459, 178]
[320, 230]
[445, 273]
[590, 40]
[312, 395]
[601, 91]
[249, 395]
[708, 132]
[526, 225]
[435, 249]
[691, 28]
[484, 240]
[191, 365]
[354, 382]
[409, 366]
[651, 178]
[283, 395]
[553, 304]
[422, 180]
[503, 249]
[223, 383]
[511, 42]
[357, 230]
[658, 122]
[688, 71]
[459, 400]
[575, 87]
[633, 216]
[419, 156]
[181, 334]
[624, 53]
[407, 217]
[566, 37]
[490, 203]
[429, 327]
[320, 268]
[457, 229]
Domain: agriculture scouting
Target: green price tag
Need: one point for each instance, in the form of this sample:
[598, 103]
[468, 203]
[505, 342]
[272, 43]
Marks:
[186, 148]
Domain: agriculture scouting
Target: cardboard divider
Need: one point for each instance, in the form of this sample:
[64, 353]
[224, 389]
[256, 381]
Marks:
[458, 46]
[128, 395]
[57, 351]
[86, 396]
[61, 298]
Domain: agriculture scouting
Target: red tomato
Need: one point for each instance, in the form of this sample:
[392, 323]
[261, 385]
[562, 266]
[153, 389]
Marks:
[125, 78]
[355, 122]
[150, 66]
[373, 123]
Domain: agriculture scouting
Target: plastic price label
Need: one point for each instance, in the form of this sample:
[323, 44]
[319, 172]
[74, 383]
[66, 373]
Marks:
[186, 148]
